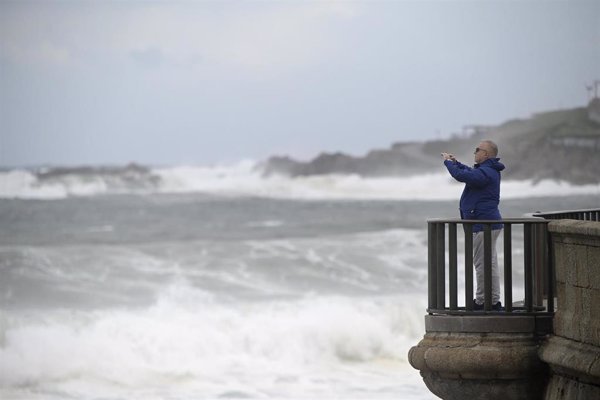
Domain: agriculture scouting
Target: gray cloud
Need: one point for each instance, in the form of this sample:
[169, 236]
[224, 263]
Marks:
[203, 82]
[149, 58]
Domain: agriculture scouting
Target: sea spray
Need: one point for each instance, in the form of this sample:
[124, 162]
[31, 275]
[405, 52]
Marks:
[246, 179]
[189, 339]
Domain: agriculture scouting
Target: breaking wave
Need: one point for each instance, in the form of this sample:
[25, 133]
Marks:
[246, 179]
[188, 341]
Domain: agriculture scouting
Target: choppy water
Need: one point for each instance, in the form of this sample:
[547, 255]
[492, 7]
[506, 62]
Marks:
[207, 294]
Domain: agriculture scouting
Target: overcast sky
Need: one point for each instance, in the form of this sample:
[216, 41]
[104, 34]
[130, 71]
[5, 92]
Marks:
[110, 82]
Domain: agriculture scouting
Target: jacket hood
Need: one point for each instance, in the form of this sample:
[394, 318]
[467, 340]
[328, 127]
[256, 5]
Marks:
[493, 163]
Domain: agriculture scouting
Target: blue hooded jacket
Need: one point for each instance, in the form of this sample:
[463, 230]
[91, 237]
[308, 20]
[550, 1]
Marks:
[481, 194]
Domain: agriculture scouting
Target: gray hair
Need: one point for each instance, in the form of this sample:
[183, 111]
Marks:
[493, 147]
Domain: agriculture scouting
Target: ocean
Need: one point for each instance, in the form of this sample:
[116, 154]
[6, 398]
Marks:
[218, 283]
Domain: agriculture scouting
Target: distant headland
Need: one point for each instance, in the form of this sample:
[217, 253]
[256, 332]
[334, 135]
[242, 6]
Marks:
[560, 145]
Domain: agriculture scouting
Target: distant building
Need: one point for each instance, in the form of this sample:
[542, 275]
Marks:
[594, 110]
[476, 130]
[573, 141]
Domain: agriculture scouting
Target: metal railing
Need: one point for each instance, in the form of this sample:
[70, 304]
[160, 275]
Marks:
[581, 215]
[538, 267]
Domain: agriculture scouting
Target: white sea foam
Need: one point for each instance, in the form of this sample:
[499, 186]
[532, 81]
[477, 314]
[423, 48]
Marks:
[245, 179]
[24, 184]
[187, 345]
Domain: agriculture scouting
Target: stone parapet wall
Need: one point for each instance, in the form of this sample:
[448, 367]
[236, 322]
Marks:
[576, 247]
[573, 352]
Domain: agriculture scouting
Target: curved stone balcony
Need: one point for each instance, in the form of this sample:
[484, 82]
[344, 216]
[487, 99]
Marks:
[514, 353]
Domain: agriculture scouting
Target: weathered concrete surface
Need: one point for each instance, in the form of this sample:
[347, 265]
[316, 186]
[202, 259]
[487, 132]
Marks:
[574, 359]
[561, 388]
[539, 324]
[480, 365]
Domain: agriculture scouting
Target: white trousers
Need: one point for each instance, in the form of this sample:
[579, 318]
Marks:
[478, 262]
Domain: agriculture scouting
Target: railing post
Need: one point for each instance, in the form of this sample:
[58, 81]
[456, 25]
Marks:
[550, 263]
[452, 266]
[508, 267]
[441, 265]
[432, 264]
[487, 267]
[528, 265]
[468, 228]
[538, 277]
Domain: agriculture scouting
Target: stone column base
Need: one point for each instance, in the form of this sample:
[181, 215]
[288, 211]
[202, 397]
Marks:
[486, 366]
[575, 369]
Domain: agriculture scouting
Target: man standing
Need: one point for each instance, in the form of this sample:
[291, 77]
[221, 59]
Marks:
[479, 201]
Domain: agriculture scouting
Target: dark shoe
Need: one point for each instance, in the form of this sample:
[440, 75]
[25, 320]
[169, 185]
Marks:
[495, 307]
